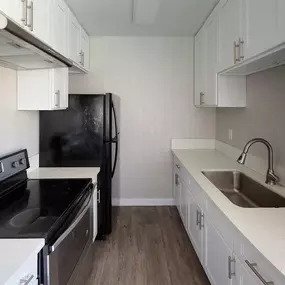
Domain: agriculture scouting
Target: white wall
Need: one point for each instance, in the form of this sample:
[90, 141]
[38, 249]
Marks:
[18, 129]
[154, 79]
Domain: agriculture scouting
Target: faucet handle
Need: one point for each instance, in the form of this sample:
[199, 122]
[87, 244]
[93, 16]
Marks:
[271, 177]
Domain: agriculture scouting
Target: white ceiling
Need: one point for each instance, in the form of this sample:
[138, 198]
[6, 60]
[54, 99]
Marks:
[115, 17]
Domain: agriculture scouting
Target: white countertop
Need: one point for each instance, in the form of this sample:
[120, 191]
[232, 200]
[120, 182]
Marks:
[65, 172]
[263, 227]
[14, 253]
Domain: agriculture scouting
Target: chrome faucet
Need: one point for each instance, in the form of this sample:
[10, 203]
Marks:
[271, 177]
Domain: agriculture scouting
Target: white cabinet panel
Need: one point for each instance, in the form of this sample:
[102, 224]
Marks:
[211, 29]
[261, 26]
[195, 230]
[230, 30]
[45, 89]
[218, 261]
[15, 9]
[59, 12]
[41, 19]
[74, 38]
[184, 203]
[85, 49]
[200, 67]
[177, 189]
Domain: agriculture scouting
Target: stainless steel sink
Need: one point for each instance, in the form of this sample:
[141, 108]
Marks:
[244, 191]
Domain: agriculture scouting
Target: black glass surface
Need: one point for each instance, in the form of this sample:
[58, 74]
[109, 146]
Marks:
[73, 137]
[37, 208]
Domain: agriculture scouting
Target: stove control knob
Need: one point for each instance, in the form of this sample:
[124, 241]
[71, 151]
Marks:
[15, 164]
[22, 161]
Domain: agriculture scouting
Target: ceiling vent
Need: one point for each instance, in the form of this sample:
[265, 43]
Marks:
[145, 11]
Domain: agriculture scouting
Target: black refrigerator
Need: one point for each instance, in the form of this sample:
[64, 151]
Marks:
[86, 135]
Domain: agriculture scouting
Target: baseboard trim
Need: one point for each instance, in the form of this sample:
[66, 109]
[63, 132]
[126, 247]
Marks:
[142, 202]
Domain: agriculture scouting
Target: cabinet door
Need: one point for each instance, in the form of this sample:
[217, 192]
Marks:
[15, 9]
[177, 190]
[41, 20]
[195, 231]
[59, 16]
[60, 88]
[184, 204]
[85, 49]
[261, 26]
[218, 261]
[281, 21]
[73, 38]
[211, 30]
[200, 67]
[230, 30]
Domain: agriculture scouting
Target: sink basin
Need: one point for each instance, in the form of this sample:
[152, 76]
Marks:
[244, 191]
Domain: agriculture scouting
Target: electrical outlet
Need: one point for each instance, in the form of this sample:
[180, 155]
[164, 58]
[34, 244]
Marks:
[230, 134]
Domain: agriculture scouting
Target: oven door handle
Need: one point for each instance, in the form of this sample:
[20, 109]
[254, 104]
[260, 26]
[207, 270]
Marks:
[73, 225]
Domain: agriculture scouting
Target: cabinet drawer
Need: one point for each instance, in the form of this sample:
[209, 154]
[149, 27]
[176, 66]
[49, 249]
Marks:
[27, 274]
[258, 265]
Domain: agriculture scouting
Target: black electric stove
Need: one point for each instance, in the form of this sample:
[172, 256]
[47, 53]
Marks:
[36, 208]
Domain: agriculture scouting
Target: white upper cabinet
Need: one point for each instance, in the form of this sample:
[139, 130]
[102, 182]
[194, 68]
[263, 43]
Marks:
[206, 56]
[230, 33]
[73, 38]
[261, 25]
[211, 30]
[39, 19]
[43, 89]
[200, 67]
[85, 49]
[16, 10]
[78, 43]
[59, 22]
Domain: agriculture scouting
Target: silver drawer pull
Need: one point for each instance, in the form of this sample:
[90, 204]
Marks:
[27, 281]
[231, 273]
[252, 267]
[177, 166]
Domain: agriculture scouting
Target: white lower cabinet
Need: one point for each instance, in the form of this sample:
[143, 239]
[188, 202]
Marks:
[45, 89]
[218, 260]
[177, 188]
[226, 256]
[195, 225]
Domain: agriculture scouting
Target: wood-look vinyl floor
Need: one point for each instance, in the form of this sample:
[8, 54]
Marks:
[148, 246]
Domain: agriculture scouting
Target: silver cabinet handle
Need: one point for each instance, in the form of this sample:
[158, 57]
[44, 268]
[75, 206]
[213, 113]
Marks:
[177, 165]
[176, 179]
[201, 222]
[202, 96]
[198, 217]
[240, 48]
[236, 46]
[57, 98]
[83, 58]
[24, 12]
[231, 273]
[27, 281]
[31, 24]
[252, 267]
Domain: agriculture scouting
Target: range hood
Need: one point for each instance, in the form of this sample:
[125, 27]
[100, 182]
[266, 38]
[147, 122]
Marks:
[20, 50]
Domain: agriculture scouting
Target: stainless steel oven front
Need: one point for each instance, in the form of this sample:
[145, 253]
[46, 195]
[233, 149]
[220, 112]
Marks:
[66, 251]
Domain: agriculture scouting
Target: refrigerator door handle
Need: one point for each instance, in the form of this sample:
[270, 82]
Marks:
[116, 157]
[115, 139]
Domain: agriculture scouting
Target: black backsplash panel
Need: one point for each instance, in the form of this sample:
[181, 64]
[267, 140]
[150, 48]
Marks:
[73, 137]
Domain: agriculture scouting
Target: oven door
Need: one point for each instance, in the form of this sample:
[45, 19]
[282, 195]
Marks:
[66, 251]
